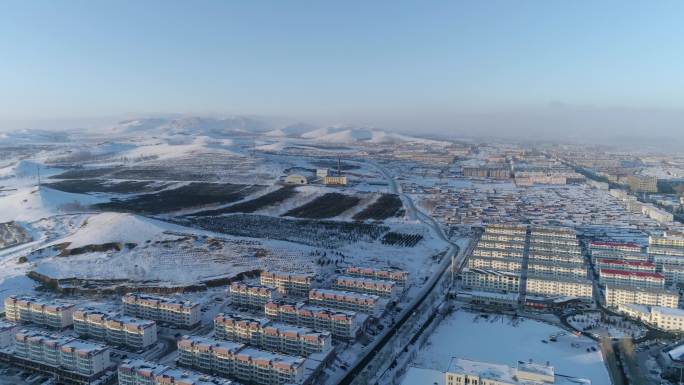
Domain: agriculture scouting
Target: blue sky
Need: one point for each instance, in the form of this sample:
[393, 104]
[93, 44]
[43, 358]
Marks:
[381, 61]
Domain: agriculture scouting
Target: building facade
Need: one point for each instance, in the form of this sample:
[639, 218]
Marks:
[399, 276]
[379, 287]
[341, 324]
[490, 280]
[179, 313]
[252, 296]
[346, 300]
[631, 278]
[51, 314]
[114, 329]
[288, 283]
[139, 372]
[619, 295]
[547, 285]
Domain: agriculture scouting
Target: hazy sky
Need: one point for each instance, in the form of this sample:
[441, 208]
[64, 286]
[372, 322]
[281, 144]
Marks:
[436, 64]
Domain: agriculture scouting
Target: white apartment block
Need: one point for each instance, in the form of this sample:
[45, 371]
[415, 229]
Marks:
[512, 265]
[399, 276]
[517, 230]
[346, 300]
[663, 318]
[618, 264]
[554, 232]
[560, 242]
[264, 334]
[340, 323]
[555, 285]
[468, 372]
[237, 361]
[502, 237]
[288, 283]
[497, 253]
[555, 257]
[7, 332]
[616, 250]
[631, 278]
[161, 309]
[550, 248]
[501, 245]
[490, 280]
[673, 274]
[62, 352]
[139, 372]
[252, 296]
[114, 329]
[620, 295]
[379, 287]
[666, 241]
[558, 269]
[50, 314]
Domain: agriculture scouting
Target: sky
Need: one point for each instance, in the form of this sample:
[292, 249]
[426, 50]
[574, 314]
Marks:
[535, 67]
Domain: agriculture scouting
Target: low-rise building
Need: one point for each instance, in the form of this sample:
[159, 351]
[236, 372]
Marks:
[265, 334]
[335, 180]
[399, 276]
[379, 287]
[346, 300]
[139, 372]
[619, 264]
[288, 283]
[490, 280]
[631, 278]
[234, 360]
[549, 285]
[559, 269]
[52, 314]
[115, 329]
[463, 372]
[179, 313]
[616, 295]
[295, 179]
[342, 324]
[512, 265]
[253, 296]
[664, 318]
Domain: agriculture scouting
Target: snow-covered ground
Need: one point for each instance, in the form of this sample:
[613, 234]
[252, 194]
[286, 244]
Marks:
[502, 340]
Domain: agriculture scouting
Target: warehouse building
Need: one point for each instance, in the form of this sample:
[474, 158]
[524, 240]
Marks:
[51, 314]
[184, 314]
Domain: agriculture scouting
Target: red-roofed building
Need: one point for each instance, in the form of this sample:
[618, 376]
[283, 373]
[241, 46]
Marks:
[631, 278]
[619, 264]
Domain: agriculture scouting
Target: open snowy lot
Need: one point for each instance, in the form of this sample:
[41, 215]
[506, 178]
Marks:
[503, 340]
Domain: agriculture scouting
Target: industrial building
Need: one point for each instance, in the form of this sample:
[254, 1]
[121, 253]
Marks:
[265, 334]
[115, 329]
[184, 314]
[342, 324]
[50, 314]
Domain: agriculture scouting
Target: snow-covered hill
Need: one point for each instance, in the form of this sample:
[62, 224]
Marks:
[33, 203]
[195, 126]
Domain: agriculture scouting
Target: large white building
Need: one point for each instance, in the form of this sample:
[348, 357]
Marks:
[379, 287]
[616, 250]
[265, 334]
[51, 314]
[139, 372]
[619, 295]
[288, 283]
[115, 329]
[490, 280]
[511, 265]
[664, 318]
[558, 269]
[346, 300]
[253, 296]
[619, 264]
[399, 276]
[179, 313]
[234, 360]
[549, 285]
[67, 353]
[468, 372]
[631, 278]
[343, 324]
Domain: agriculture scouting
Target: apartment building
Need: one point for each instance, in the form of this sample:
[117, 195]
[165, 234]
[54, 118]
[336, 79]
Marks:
[399, 276]
[558, 269]
[502, 245]
[61, 352]
[616, 250]
[464, 372]
[490, 280]
[664, 318]
[379, 287]
[553, 257]
[554, 232]
[115, 329]
[265, 334]
[346, 300]
[515, 230]
[51, 314]
[512, 265]
[497, 253]
[673, 274]
[139, 372]
[550, 285]
[252, 296]
[631, 278]
[234, 360]
[616, 295]
[619, 264]
[288, 283]
[7, 332]
[179, 313]
[667, 240]
[537, 247]
[340, 323]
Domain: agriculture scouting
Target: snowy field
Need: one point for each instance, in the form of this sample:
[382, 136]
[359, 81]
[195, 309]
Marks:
[502, 340]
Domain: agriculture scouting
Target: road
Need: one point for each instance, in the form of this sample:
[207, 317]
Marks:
[452, 251]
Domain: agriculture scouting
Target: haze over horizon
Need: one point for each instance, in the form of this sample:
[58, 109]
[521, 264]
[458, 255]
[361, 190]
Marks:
[578, 71]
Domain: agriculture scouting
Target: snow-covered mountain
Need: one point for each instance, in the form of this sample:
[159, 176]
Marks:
[352, 135]
[193, 125]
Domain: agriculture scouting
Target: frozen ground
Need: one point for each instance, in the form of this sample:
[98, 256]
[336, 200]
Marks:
[502, 340]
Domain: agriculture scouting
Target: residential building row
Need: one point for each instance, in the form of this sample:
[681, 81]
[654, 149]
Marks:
[490, 280]
[139, 372]
[115, 329]
[554, 285]
[235, 360]
[558, 269]
[53, 314]
[379, 287]
[184, 314]
[346, 300]
[266, 334]
[288, 283]
[399, 276]
[664, 318]
[252, 296]
[631, 278]
[342, 324]
[619, 264]
[616, 295]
